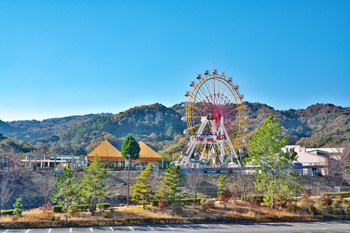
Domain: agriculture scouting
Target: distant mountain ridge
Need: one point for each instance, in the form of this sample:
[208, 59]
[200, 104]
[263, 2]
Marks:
[319, 125]
[32, 129]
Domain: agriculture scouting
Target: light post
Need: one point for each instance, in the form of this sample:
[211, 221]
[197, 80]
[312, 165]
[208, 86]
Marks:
[127, 200]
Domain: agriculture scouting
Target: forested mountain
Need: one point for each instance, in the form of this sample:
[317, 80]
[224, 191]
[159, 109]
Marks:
[32, 129]
[320, 125]
[154, 124]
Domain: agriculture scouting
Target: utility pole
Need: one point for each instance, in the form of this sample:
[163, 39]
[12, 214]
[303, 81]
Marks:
[128, 197]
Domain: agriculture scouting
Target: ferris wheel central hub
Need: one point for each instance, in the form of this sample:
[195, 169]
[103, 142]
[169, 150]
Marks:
[215, 116]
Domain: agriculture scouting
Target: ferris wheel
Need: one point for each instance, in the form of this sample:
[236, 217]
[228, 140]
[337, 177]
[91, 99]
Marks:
[216, 120]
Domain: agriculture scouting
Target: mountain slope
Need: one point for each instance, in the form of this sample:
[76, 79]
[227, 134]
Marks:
[154, 124]
[319, 125]
[31, 130]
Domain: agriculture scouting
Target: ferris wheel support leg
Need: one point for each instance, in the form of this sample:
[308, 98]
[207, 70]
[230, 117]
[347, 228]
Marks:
[231, 148]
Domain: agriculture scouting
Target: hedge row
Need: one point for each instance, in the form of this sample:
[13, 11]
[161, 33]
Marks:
[186, 201]
[163, 221]
[7, 212]
[335, 195]
[83, 207]
[103, 206]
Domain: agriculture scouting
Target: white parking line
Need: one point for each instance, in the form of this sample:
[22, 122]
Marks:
[131, 228]
[169, 227]
[91, 229]
[224, 226]
[205, 226]
[27, 230]
[49, 230]
[111, 229]
[152, 229]
[70, 229]
[188, 227]
[6, 231]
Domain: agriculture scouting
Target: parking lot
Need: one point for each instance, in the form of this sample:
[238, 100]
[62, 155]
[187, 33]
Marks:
[295, 227]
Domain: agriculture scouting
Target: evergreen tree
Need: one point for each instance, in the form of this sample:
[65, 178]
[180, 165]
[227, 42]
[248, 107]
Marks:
[18, 207]
[93, 187]
[273, 166]
[67, 190]
[130, 150]
[142, 189]
[170, 185]
[222, 189]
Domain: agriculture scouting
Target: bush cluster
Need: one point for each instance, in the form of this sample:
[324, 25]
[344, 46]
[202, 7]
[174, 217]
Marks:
[207, 204]
[57, 208]
[326, 201]
[103, 206]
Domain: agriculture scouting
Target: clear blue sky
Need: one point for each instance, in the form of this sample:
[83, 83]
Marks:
[60, 58]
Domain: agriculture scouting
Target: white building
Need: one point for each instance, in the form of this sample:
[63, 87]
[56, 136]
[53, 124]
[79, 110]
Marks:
[324, 160]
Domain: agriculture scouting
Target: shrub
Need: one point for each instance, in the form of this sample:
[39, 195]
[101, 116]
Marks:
[335, 205]
[154, 202]
[82, 207]
[336, 211]
[73, 210]
[52, 217]
[342, 212]
[162, 204]
[337, 201]
[7, 212]
[313, 210]
[345, 202]
[178, 211]
[326, 201]
[47, 207]
[57, 208]
[329, 210]
[347, 210]
[319, 174]
[207, 204]
[258, 199]
[340, 197]
[210, 203]
[281, 200]
[107, 214]
[306, 202]
[103, 206]
[292, 208]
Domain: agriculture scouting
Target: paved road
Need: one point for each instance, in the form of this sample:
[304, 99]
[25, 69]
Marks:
[286, 227]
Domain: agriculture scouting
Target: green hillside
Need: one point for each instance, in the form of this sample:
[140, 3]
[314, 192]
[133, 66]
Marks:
[154, 124]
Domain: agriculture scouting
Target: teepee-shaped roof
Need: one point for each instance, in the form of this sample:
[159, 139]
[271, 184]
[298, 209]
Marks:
[106, 151]
[147, 154]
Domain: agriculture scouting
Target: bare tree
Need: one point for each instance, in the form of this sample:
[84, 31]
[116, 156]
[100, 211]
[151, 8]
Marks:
[344, 163]
[6, 191]
[11, 182]
[194, 180]
[244, 184]
[45, 184]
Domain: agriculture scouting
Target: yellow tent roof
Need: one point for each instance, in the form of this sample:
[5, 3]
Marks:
[106, 151]
[147, 154]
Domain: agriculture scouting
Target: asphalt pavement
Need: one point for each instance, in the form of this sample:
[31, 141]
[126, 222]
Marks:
[284, 227]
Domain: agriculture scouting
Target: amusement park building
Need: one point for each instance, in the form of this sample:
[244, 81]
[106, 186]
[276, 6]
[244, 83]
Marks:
[106, 151]
[314, 160]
